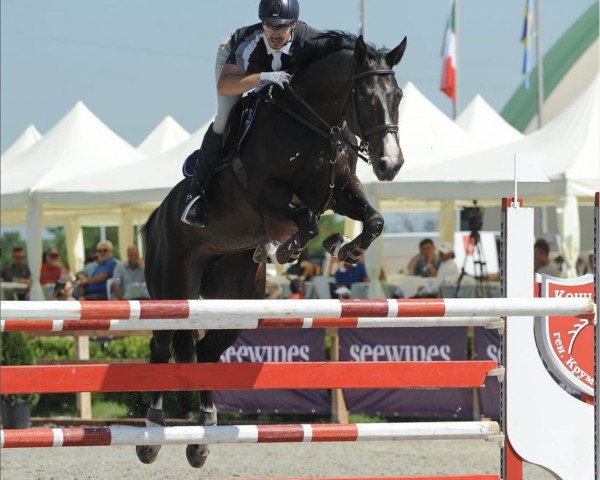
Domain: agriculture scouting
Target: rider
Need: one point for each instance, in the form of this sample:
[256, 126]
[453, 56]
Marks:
[250, 56]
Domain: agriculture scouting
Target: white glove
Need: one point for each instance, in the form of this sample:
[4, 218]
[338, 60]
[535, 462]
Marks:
[279, 78]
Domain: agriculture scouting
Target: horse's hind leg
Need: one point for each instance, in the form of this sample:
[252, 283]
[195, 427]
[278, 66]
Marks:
[234, 276]
[160, 352]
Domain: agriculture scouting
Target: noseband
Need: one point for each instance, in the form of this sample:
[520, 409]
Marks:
[384, 127]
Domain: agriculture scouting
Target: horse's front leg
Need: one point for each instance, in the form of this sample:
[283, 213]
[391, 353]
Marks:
[308, 228]
[352, 202]
[160, 352]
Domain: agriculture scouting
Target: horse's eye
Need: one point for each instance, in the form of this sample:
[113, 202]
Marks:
[399, 94]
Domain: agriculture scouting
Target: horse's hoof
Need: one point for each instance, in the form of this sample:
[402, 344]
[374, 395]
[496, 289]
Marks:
[284, 256]
[147, 453]
[347, 255]
[196, 455]
[266, 252]
[334, 243]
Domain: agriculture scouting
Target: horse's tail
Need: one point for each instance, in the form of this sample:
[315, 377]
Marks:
[146, 228]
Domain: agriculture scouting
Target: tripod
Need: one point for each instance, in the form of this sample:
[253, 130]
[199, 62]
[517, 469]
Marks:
[479, 266]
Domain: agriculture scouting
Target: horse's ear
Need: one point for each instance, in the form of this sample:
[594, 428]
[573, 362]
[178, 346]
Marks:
[393, 57]
[360, 51]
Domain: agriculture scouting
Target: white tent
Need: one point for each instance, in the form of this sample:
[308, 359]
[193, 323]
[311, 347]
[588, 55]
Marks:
[486, 125]
[571, 146]
[29, 137]
[78, 144]
[134, 183]
[167, 135]
[426, 134]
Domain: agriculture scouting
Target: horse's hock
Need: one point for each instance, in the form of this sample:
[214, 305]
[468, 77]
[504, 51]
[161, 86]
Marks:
[567, 449]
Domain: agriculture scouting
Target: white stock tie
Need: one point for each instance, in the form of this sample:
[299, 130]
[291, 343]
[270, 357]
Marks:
[276, 63]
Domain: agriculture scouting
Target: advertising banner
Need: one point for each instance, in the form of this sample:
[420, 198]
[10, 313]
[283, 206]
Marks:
[407, 344]
[278, 345]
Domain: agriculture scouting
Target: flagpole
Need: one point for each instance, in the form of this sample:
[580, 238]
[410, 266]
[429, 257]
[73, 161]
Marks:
[540, 64]
[456, 74]
[363, 18]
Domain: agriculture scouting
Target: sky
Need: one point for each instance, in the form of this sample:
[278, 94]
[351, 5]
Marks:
[133, 62]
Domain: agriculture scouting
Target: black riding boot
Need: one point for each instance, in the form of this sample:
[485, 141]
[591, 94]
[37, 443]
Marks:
[194, 212]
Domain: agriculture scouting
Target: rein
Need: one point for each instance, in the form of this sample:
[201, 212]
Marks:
[339, 136]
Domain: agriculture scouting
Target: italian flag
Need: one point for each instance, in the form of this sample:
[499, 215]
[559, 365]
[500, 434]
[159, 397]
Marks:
[448, 82]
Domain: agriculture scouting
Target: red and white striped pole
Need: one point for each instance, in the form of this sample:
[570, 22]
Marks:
[353, 432]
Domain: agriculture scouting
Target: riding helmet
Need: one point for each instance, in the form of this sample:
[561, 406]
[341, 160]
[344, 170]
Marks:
[278, 12]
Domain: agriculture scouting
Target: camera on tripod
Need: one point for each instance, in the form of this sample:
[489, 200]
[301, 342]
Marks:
[471, 218]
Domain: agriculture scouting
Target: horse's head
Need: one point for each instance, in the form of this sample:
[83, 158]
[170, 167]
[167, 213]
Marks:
[376, 100]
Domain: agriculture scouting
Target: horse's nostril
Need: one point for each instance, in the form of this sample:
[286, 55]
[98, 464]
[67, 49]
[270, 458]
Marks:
[383, 164]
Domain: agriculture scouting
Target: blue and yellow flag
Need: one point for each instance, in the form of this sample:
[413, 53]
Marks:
[527, 39]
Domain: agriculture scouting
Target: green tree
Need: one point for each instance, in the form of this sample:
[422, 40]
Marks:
[8, 241]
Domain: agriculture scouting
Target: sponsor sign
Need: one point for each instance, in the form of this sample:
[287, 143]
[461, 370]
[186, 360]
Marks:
[407, 344]
[277, 345]
[566, 343]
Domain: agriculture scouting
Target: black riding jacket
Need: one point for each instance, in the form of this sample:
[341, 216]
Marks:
[248, 49]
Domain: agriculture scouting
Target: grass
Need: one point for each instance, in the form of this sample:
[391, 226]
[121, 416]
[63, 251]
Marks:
[107, 409]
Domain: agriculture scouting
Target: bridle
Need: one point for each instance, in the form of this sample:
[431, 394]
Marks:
[384, 127]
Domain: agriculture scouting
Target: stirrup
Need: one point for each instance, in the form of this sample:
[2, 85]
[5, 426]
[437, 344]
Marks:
[187, 218]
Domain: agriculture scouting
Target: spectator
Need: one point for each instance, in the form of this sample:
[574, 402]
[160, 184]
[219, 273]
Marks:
[63, 290]
[447, 268]
[298, 289]
[426, 262]
[18, 272]
[91, 262]
[52, 268]
[348, 274]
[303, 267]
[94, 285]
[130, 274]
[585, 263]
[272, 290]
[541, 259]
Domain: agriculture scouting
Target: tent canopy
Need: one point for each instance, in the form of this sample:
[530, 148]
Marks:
[78, 144]
[486, 125]
[571, 146]
[167, 135]
[426, 134]
[28, 138]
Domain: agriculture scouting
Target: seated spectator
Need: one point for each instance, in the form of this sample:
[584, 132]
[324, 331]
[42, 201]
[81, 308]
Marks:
[426, 262]
[447, 268]
[348, 274]
[52, 268]
[94, 285]
[303, 267]
[272, 290]
[129, 273]
[298, 289]
[541, 259]
[91, 262]
[18, 272]
[63, 290]
[585, 263]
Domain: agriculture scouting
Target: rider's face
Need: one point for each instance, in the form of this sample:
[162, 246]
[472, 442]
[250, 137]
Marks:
[278, 35]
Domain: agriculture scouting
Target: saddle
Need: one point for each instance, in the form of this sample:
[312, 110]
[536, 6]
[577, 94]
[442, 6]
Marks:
[240, 122]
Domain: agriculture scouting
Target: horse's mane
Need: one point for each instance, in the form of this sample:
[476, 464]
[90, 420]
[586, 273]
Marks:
[335, 41]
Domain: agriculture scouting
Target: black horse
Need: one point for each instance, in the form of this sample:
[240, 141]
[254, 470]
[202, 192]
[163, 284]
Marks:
[298, 160]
